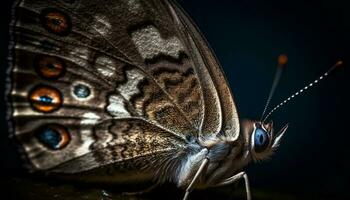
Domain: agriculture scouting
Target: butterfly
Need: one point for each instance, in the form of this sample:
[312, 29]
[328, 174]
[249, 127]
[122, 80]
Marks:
[125, 91]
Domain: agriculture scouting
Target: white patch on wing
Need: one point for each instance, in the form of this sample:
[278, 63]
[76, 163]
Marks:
[87, 139]
[150, 43]
[116, 102]
[105, 66]
[101, 25]
[116, 106]
[128, 89]
[89, 119]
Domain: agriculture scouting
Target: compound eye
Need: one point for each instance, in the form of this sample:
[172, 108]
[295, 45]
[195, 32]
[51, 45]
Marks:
[261, 140]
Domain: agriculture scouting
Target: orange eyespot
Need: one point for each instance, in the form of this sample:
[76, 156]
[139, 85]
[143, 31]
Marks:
[50, 67]
[53, 136]
[55, 21]
[45, 99]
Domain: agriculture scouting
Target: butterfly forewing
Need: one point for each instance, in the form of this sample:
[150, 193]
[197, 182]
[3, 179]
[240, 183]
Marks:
[95, 83]
[229, 122]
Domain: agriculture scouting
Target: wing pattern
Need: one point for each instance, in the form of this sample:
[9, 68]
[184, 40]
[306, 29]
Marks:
[94, 83]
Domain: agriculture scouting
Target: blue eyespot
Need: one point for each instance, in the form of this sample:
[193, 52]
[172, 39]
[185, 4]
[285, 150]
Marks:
[53, 136]
[261, 140]
[45, 99]
[50, 138]
[81, 91]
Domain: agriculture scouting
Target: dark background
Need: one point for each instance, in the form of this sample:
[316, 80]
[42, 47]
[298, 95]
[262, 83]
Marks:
[247, 36]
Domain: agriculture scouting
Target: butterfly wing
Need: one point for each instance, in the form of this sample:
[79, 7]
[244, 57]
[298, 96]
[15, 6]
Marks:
[220, 110]
[93, 83]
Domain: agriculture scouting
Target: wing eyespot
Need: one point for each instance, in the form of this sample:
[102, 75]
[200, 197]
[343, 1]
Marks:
[81, 91]
[53, 136]
[45, 98]
[49, 67]
[55, 21]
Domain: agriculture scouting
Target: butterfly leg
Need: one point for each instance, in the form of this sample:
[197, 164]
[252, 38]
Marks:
[236, 178]
[198, 173]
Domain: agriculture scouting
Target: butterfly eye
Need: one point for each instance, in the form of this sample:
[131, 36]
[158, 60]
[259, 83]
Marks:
[50, 67]
[53, 136]
[55, 21]
[261, 140]
[45, 99]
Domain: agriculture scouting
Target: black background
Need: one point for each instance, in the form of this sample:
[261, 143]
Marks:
[247, 36]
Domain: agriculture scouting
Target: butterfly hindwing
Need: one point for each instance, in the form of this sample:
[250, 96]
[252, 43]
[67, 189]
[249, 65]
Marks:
[130, 139]
[95, 83]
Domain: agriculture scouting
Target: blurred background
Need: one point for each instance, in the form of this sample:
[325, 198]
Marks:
[247, 37]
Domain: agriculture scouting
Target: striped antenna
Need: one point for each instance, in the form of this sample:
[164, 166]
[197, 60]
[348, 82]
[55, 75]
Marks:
[303, 89]
[282, 61]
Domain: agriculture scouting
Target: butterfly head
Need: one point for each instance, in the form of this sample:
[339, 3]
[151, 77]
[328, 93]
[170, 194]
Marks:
[260, 138]
[260, 135]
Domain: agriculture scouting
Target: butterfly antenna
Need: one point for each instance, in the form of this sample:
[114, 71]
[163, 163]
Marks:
[304, 89]
[282, 61]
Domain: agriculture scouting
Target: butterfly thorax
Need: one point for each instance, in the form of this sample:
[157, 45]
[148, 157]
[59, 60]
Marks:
[225, 159]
